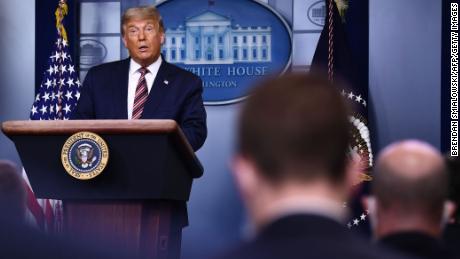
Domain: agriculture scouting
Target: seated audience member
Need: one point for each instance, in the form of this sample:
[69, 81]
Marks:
[409, 206]
[293, 172]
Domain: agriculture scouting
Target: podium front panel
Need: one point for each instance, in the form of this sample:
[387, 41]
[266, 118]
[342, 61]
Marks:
[139, 167]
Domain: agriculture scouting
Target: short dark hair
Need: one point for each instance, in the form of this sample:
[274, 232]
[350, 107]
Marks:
[295, 127]
[12, 192]
[424, 195]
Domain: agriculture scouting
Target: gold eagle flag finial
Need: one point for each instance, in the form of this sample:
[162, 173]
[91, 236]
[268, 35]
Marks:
[61, 11]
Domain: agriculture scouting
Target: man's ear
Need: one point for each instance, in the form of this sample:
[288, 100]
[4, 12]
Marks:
[369, 203]
[448, 211]
[245, 174]
[365, 202]
[162, 38]
[124, 40]
[353, 171]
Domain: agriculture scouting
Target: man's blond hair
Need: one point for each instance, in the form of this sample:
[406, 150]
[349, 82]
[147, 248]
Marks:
[142, 13]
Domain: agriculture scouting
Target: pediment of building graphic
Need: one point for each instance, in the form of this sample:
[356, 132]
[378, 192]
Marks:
[208, 16]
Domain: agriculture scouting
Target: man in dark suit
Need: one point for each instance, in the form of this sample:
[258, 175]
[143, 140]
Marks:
[293, 172]
[144, 86]
[409, 206]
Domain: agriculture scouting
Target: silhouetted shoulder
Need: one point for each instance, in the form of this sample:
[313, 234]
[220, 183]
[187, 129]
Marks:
[302, 236]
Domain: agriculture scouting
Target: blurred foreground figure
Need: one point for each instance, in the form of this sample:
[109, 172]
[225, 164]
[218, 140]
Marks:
[18, 240]
[12, 194]
[452, 231]
[409, 208]
[293, 172]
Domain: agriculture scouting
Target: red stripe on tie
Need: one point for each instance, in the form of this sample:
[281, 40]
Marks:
[141, 95]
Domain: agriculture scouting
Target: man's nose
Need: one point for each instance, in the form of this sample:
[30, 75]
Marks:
[141, 35]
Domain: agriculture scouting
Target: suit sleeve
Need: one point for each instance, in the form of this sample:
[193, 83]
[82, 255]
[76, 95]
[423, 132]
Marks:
[85, 106]
[193, 120]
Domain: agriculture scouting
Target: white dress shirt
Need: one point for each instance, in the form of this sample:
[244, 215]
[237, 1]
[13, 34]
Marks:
[134, 76]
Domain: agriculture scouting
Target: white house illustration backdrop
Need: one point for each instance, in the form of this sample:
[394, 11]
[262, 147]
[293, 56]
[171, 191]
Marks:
[210, 38]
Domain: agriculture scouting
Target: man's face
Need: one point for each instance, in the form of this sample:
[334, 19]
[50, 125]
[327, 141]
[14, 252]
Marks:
[143, 40]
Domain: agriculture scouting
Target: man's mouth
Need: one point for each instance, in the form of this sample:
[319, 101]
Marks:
[143, 48]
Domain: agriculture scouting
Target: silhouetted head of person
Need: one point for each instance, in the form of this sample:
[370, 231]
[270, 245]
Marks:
[410, 190]
[293, 137]
[12, 193]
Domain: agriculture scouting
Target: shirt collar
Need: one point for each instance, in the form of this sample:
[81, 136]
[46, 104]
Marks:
[134, 66]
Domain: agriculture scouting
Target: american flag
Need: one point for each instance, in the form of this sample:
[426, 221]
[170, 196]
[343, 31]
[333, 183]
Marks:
[333, 55]
[56, 98]
[60, 88]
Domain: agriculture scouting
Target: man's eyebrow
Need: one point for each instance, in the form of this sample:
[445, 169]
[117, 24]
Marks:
[134, 26]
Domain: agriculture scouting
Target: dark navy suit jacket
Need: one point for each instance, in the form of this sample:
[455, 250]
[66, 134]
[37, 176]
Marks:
[175, 94]
[417, 244]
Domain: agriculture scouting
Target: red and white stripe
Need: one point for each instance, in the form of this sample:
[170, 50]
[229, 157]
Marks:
[141, 95]
[45, 214]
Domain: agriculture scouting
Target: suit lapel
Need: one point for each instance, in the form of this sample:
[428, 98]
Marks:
[159, 89]
[122, 94]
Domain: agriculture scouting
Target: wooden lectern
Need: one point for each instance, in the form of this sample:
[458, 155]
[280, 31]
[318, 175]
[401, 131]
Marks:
[137, 203]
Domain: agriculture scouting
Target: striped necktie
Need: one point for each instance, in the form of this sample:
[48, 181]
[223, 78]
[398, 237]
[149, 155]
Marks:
[141, 95]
